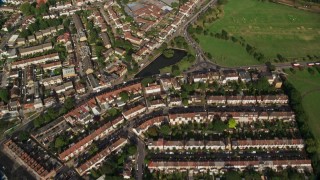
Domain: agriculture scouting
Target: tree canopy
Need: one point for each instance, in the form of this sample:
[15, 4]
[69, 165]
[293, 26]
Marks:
[124, 96]
[219, 126]
[59, 142]
[165, 130]
[147, 81]
[168, 53]
[4, 95]
[27, 9]
[23, 136]
[232, 175]
[132, 150]
[232, 123]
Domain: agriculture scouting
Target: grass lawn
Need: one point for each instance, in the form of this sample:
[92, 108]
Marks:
[5, 126]
[226, 53]
[183, 65]
[270, 27]
[309, 87]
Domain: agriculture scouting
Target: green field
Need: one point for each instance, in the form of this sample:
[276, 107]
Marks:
[183, 65]
[309, 87]
[271, 28]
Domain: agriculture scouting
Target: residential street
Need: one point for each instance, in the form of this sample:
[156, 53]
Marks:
[140, 159]
[76, 102]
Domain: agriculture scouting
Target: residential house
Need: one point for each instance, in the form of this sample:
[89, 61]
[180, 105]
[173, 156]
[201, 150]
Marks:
[230, 75]
[36, 60]
[249, 100]
[217, 100]
[174, 101]
[31, 39]
[105, 40]
[68, 72]
[35, 49]
[51, 66]
[98, 158]
[234, 100]
[21, 41]
[133, 112]
[79, 26]
[80, 146]
[272, 99]
[155, 104]
[120, 52]
[184, 118]
[268, 144]
[152, 89]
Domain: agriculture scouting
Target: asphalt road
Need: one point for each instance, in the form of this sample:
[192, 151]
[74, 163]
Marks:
[202, 62]
[140, 159]
[8, 35]
[5, 39]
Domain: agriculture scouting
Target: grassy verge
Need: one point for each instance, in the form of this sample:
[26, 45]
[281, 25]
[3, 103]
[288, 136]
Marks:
[6, 126]
[309, 88]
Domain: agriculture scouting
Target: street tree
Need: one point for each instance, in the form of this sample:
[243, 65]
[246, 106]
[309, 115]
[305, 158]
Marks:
[232, 123]
[59, 143]
[165, 130]
[232, 175]
[147, 81]
[23, 136]
[4, 95]
[219, 126]
[124, 96]
[27, 9]
[112, 112]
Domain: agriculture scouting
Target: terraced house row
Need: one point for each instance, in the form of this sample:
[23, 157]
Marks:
[99, 104]
[225, 144]
[77, 147]
[246, 100]
[239, 113]
[144, 114]
[216, 166]
[36, 159]
[98, 158]
[175, 116]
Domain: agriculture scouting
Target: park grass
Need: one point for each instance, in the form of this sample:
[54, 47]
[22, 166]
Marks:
[183, 65]
[271, 28]
[226, 53]
[309, 87]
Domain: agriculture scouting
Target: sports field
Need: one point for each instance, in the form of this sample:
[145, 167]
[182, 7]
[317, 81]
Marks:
[270, 27]
[309, 87]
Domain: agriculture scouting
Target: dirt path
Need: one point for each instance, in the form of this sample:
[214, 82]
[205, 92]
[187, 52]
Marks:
[313, 8]
[308, 81]
[309, 92]
[317, 88]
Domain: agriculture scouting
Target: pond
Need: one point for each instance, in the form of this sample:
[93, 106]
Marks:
[161, 62]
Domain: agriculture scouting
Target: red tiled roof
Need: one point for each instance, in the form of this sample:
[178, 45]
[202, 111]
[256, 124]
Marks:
[85, 140]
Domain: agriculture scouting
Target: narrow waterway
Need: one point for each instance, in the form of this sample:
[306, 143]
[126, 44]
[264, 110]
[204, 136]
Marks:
[161, 62]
